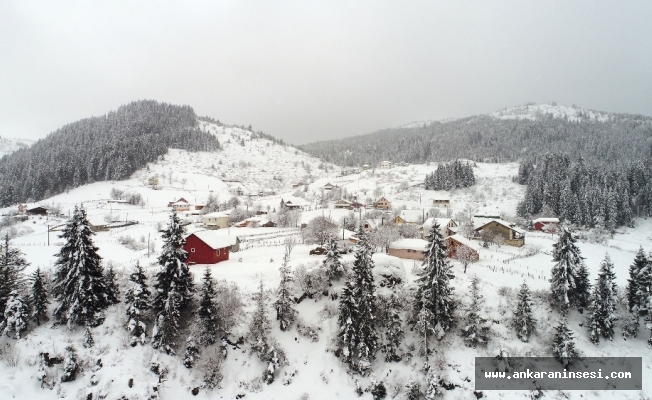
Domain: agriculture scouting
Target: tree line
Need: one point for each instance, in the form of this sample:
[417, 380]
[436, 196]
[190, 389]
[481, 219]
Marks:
[109, 147]
[452, 175]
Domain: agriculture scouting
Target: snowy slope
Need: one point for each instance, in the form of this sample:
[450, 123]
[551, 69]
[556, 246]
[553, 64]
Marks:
[537, 111]
[319, 374]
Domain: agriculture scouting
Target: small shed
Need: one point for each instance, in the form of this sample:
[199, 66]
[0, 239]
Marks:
[549, 225]
[38, 210]
[408, 248]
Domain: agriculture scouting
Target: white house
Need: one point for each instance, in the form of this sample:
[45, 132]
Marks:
[385, 165]
[215, 220]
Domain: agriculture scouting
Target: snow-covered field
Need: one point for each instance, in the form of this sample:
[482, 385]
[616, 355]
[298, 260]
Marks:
[261, 164]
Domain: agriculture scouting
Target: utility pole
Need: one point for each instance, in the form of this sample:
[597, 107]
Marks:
[148, 245]
[343, 228]
[48, 235]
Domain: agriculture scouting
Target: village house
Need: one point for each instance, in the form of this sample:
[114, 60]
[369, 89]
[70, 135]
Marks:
[386, 165]
[215, 220]
[38, 210]
[237, 188]
[366, 167]
[457, 242]
[255, 222]
[207, 247]
[382, 204]
[371, 225]
[296, 185]
[343, 204]
[447, 226]
[413, 217]
[180, 205]
[98, 224]
[549, 225]
[408, 248]
[508, 232]
[441, 201]
[329, 186]
[294, 204]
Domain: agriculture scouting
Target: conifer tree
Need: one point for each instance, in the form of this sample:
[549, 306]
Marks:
[79, 285]
[175, 271]
[137, 302]
[640, 262]
[434, 291]
[88, 338]
[524, 321]
[476, 329]
[70, 365]
[425, 330]
[393, 330]
[602, 304]
[192, 353]
[285, 312]
[644, 295]
[12, 264]
[582, 287]
[39, 297]
[333, 261]
[567, 258]
[563, 346]
[16, 315]
[357, 331]
[432, 385]
[166, 329]
[260, 325]
[207, 312]
[112, 286]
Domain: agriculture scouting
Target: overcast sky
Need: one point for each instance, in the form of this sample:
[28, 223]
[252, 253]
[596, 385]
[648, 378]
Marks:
[311, 70]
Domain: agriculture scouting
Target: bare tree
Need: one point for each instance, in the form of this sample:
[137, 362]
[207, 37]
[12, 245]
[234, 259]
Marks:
[465, 255]
[320, 230]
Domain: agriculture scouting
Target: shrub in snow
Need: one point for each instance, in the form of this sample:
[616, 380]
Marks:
[80, 286]
[378, 390]
[16, 315]
[309, 331]
[39, 297]
[476, 329]
[88, 338]
[563, 346]
[434, 291]
[70, 365]
[432, 385]
[524, 321]
[211, 365]
[602, 303]
[137, 302]
[413, 390]
[312, 281]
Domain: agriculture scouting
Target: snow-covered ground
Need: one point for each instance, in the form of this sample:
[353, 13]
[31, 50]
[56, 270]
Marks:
[319, 373]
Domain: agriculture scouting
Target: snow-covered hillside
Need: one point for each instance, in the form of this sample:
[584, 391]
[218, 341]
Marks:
[312, 371]
[9, 145]
[536, 111]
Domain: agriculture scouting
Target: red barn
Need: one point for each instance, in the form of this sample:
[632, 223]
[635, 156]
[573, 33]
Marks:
[207, 247]
[545, 224]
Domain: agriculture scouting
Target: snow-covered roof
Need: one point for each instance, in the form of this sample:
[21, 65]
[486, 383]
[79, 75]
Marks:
[466, 242]
[215, 240]
[410, 244]
[217, 214]
[347, 234]
[505, 224]
[430, 221]
[374, 223]
[442, 196]
[549, 220]
[412, 216]
[297, 201]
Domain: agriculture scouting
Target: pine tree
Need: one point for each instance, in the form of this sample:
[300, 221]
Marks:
[432, 390]
[640, 262]
[175, 271]
[12, 264]
[393, 330]
[207, 312]
[260, 325]
[434, 290]
[364, 298]
[166, 329]
[346, 334]
[582, 287]
[476, 331]
[563, 346]
[524, 321]
[16, 315]
[39, 297]
[333, 261]
[88, 338]
[70, 365]
[79, 285]
[112, 286]
[425, 330]
[602, 304]
[285, 312]
[192, 353]
[644, 294]
[567, 258]
[137, 302]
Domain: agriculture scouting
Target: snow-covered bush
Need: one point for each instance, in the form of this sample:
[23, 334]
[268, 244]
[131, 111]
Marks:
[311, 281]
[70, 365]
[307, 330]
[131, 243]
[211, 365]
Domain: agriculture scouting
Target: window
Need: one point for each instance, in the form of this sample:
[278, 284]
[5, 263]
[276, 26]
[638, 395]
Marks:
[218, 252]
[192, 250]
